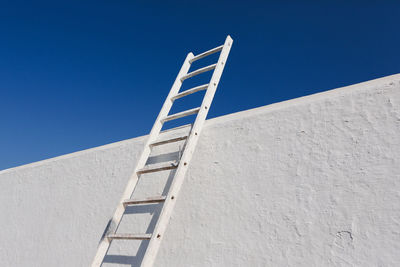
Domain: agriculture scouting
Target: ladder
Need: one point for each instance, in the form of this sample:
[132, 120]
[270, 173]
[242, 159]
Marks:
[181, 166]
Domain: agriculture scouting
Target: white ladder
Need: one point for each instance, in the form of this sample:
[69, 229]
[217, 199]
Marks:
[181, 167]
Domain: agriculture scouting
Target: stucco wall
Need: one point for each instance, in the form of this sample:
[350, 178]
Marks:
[313, 181]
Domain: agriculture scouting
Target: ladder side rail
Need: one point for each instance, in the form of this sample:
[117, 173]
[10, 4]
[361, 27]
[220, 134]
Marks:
[119, 212]
[177, 182]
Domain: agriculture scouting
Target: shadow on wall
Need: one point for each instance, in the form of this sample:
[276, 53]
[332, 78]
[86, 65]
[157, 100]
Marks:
[153, 209]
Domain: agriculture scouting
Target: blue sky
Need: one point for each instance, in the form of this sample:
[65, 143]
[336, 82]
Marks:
[79, 74]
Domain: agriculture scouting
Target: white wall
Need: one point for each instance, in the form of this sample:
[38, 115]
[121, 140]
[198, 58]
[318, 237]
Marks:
[313, 181]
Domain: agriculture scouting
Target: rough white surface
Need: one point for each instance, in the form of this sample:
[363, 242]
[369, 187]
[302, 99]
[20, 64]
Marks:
[313, 181]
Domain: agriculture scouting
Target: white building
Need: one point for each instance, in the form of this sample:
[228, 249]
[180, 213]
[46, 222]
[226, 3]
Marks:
[313, 181]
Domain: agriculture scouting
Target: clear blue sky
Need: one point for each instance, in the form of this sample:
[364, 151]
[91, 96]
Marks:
[79, 74]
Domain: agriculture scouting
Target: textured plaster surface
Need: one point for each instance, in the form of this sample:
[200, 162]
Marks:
[313, 181]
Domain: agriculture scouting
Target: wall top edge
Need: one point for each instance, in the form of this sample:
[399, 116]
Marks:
[235, 116]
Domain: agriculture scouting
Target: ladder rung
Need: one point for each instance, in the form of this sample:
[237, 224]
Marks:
[169, 165]
[197, 72]
[181, 114]
[129, 236]
[177, 128]
[146, 200]
[207, 53]
[175, 139]
[190, 91]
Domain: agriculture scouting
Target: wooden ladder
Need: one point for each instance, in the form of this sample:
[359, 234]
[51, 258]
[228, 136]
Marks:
[181, 166]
